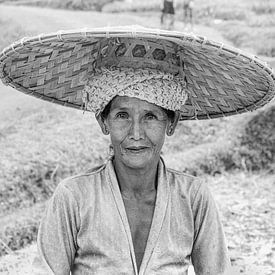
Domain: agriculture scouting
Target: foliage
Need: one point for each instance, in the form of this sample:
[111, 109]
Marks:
[264, 7]
[208, 158]
[256, 144]
[65, 4]
[79, 4]
[50, 145]
[18, 229]
[245, 142]
[21, 234]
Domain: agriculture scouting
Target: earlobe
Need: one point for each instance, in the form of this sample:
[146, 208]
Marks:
[173, 124]
[170, 130]
[102, 124]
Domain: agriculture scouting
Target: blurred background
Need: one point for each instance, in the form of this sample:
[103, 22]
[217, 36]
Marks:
[41, 143]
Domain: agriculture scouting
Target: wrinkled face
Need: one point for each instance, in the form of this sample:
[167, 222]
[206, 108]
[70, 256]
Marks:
[137, 129]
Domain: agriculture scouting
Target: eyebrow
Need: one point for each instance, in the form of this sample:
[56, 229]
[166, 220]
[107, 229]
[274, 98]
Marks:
[121, 108]
[155, 110]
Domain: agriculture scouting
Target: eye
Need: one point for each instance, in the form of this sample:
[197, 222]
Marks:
[122, 115]
[150, 116]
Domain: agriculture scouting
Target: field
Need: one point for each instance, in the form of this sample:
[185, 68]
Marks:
[41, 143]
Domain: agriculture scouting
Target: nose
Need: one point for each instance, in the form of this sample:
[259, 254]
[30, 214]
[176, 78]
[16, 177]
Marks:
[136, 130]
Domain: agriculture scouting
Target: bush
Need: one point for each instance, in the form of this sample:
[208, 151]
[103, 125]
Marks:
[20, 235]
[229, 13]
[28, 185]
[264, 7]
[265, 20]
[256, 144]
[20, 228]
[42, 148]
[74, 4]
[209, 158]
[247, 143]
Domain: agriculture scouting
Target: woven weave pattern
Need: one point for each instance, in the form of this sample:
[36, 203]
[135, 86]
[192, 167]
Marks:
[220, 81]
[165, 90]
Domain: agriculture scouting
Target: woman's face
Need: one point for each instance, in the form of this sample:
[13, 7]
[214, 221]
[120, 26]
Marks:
[137, 129]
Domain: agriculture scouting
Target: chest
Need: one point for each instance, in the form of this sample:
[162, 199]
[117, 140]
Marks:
[103, 237]
[140, 216]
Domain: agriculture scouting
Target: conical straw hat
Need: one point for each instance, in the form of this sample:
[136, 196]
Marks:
[220, 81]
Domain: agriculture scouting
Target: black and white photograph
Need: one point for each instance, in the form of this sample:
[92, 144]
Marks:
[137, 137]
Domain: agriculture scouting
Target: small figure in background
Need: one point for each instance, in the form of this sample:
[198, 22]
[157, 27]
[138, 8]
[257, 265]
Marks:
[188, 6]
[167, 16]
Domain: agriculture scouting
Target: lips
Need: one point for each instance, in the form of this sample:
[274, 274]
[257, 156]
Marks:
[136, 149]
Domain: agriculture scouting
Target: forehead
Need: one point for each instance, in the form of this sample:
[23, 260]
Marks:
[125, 102]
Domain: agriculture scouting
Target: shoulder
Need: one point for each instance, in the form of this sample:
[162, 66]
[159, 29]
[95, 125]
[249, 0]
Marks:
[82, 183]
[183, 178]
[186, 185]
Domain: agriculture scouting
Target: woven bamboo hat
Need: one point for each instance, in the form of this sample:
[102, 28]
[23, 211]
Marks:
[220, 81]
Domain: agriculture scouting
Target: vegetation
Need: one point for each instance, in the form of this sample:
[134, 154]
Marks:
[64, 4]
[9, 33]
[79, 4]
[243, 143]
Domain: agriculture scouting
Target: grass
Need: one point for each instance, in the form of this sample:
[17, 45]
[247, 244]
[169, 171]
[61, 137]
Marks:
[64, 4]
[245, 142]
[9, 33]
[250, 36]
[50, 144]
[246, 203]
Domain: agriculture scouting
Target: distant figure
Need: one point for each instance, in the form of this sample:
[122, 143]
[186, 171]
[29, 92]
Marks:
[188, 6]
[167, 16]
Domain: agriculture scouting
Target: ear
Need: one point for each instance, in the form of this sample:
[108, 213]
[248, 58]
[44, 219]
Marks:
[170, 130]
[102, 124]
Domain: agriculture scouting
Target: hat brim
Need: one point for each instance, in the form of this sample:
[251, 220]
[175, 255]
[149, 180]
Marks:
[221, 80]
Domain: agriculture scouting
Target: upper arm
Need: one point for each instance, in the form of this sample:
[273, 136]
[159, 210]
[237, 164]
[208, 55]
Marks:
[209, 253]
[57, 235]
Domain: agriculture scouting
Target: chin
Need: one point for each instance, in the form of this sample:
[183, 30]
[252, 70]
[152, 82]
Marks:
[138, 163]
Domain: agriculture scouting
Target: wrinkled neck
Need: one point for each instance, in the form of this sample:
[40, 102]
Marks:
[137, 183]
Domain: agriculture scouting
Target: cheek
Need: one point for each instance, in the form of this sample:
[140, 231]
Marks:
[157, 135]
[118, 134]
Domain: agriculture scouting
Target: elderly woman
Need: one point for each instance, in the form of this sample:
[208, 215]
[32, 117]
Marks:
[132, 214]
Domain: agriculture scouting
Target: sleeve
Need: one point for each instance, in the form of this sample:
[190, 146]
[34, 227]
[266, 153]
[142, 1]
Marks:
[57, 234]
[209, 253]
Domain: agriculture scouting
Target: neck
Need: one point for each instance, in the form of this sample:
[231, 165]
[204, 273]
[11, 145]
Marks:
[136, 183]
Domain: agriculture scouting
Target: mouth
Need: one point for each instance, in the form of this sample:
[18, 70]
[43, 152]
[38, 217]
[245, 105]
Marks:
[136, 149]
